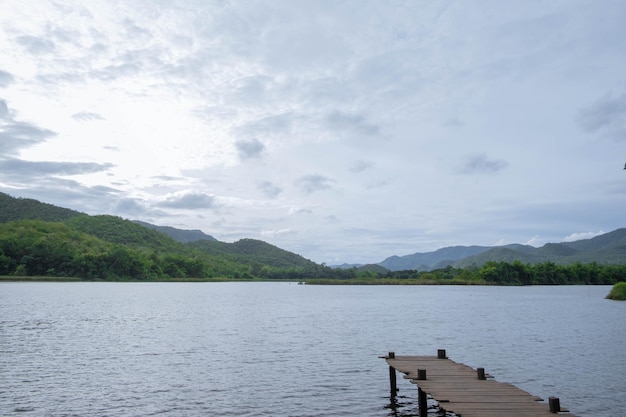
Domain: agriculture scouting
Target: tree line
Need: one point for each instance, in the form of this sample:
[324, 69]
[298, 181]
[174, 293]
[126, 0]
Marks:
[518, 273]
[64, 249]
[61, 249]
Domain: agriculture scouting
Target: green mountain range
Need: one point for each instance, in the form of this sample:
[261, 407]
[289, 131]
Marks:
[42, 239]
[184, 236]
[606, 249]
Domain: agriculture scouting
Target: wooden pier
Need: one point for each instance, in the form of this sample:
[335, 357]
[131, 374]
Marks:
[465, 391]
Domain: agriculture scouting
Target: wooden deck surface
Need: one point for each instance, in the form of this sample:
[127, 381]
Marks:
[457, 389]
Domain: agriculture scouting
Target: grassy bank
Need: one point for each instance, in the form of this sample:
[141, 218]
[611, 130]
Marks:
[38, 278]
[73, 279]
[391, 281]
[618, 292]
[315, 281]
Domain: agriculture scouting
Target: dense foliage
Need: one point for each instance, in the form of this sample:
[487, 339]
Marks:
[37, 248]
[117, 230]
[25, 208]
[618, 292]
[546, 273]
[108, 247]
[38, 239]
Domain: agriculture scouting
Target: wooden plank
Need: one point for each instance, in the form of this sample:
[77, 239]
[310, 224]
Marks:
[458, 389]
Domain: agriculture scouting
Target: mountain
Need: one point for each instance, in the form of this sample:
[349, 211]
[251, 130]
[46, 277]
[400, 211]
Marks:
[612, 240]
[12, 208]
[41, 239]
[607, 249]
[170, 252]
[375, 268]
[428, 260]
[116, 230]
[254, 251]
[179, 235]
[346, 266]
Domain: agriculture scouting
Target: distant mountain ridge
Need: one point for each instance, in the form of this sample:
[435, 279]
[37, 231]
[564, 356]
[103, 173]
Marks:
[39, 239]
[12, 209]
[428, 260]
[179, 235]
[605, 249]
[608, 248]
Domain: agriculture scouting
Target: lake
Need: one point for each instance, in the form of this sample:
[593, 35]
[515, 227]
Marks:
[282, 349]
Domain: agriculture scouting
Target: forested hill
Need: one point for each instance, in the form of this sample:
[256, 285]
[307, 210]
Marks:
[41, 239]
[12, 208]
[262, 252]
[178, 235]
[606, 249]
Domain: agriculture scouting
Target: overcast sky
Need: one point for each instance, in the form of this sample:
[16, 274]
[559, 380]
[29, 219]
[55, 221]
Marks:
[344, 131]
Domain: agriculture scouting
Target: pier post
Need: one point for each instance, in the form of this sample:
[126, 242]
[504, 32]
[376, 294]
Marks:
[422, 403]
[481, 374]
[421, 374]
[392, 381]
[441, 354]
[555, 404]
[393, 386]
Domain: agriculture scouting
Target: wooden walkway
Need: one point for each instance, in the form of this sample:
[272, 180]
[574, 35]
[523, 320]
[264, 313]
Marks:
[465, 391]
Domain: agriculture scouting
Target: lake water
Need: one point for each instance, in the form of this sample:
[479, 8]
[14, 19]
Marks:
[282, 349]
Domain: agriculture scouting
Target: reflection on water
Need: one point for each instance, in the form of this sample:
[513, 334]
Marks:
[280, 349]
[404, 406]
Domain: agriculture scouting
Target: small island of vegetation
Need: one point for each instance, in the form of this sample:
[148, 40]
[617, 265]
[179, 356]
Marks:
[618, 292]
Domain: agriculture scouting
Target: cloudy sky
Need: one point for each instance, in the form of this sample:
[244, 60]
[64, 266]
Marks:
[344, 131]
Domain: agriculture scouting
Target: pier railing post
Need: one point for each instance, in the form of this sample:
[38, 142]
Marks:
[422, 403]
[555, 404]
[441, 354]
[392, 381]
[481, 374]
[392, 377]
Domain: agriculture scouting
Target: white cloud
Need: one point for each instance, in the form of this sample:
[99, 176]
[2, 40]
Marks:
[35, 45]
[300, 210]
[4, 109]
[395, 128]
[607, 116]
[312, 183]
[481, 164]
[272, 233]
[535, 241]
[189, 201]
[249, 149]
[360, 166]
[269, 189]
[5, 78]
[16, 135]
[582, 235]
[85, 116]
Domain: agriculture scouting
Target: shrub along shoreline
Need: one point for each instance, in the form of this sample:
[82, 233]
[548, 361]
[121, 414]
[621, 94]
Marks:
[618, 292]
[492, 273]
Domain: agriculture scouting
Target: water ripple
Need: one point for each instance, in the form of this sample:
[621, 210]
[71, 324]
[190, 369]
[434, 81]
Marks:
[235, 349]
